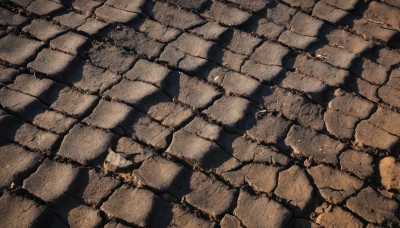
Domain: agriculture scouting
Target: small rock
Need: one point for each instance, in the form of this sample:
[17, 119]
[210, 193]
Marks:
[116, 161]
[389, 169]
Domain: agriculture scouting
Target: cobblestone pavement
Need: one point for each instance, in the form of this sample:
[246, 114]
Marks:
[200, 113]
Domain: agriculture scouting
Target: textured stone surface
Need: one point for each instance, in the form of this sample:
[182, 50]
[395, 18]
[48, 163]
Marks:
[208, 113]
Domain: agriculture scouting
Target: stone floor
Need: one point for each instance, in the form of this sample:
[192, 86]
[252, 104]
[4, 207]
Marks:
[200, 113]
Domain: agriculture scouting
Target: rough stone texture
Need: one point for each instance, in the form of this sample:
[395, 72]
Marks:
[333, 191]
[15, 163]
[389, 170]
[73, 102]
[112, 14]
[251, 174]
[227, 15]
[17, 211]
[306, 142]
[43, 29]
[358, 163]
[210, 113]
[371, 135]
[206, 154]
[51, 180]
[18, 50]
[111, 57]
[374, 207]
[139, 42]
[338, 218]
[339, 124]
[237, 109]
[132, 205]
[70, 43]
[174, 17]
[44, 7]
[269, 129]
[261, 211]
[85, 145]
[295, 189]
[270, 54]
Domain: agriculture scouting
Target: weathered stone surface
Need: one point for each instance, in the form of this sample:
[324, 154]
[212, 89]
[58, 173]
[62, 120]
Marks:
[209, 195]
[91, 26]
[112, 14]
[261, 71]
[22, 105]
[351, 105]
[240, 42]
[346, 40]
[174, 17]
[358, 163]
[210, 31]
[306, 25]
[71, 19]
[116, 162]
[306, 5]
[269, 129]
[270, 54]
[330, 75]
[109, 115]
[137, 152]
[371, 135]
[313, 87]
[328, 13]
[135, 6]
[332, 190]
[227, 15]
[298, 41]
[163, 175]
[389, 170]
[44, 7]
[194, 45]
[133, 205]
[374, 30]
[374, 13]
[55, 64]
[18, 50]
[373, 207]
[17, 211]
[250, 174]
[295, 188]
[338, 218]
[26, 134]
[191, 4]
[85, 145]
[8, 18]
[306, 142]
[337, 57]
[231, 112]
[182, 218]
[281, 14]
[268, 29]
[73, 102]
[92, 187]
[339, 124]
[389, 95]
[51, 180]
[387, 120]
[71, 43]
[86, 6]
[295, 107]
[93, 79]
[140, 43]
[43, 29]
[197, 150]
[157, 30]
[229, 221]
[111, 57]
[54, 121]
[261, 211]
[15, 163]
